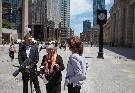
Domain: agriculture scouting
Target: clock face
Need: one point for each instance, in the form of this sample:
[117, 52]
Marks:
[101, 16]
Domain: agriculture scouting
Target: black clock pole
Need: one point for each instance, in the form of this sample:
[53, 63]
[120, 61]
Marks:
[100, 53]
[101, 20]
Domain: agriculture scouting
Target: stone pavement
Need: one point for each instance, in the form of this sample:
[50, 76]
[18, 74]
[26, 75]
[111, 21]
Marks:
[113, 74]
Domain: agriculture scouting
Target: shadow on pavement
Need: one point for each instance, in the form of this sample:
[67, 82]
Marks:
[129, 53]
[88, 57]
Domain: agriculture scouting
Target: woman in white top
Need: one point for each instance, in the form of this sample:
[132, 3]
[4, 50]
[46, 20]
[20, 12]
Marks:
[76, 68]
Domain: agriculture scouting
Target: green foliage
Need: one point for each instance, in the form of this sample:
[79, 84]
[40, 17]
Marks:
[6, 24]
[49, 39]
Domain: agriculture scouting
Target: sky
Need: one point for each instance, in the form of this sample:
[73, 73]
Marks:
[81, 10]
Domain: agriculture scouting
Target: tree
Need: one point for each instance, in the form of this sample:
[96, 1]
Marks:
[6, 24]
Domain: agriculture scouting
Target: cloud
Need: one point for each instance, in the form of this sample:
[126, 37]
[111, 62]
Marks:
[109, 2]
[80, 10]
[79, 7]
[82, 17]
[77, 22]
[78, 28]
[83, 10]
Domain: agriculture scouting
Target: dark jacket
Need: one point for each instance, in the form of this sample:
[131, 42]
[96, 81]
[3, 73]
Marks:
[56, 75]
[34, 54]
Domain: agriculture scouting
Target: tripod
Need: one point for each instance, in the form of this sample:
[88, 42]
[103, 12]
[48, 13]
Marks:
[31, 71]
[30, 76]
[30, 79]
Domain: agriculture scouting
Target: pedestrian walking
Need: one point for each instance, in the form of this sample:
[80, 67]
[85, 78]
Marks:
[53, 65]
[91, 44]
[76, 68]
[29, 50]
[11, 51]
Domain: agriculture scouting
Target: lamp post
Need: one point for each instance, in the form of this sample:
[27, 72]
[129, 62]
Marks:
[101, 20]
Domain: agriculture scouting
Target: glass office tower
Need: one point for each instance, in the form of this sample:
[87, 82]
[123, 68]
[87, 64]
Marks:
[65, 19]
[86, 25]
[97, 4]
[10, 12]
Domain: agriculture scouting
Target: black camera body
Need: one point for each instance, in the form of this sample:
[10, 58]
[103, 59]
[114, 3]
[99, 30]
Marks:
[27, 62]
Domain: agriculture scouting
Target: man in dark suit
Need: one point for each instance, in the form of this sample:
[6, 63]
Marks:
[29, 50]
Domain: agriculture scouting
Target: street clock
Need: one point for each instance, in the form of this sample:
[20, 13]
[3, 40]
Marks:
[101, 16]
[101, 20]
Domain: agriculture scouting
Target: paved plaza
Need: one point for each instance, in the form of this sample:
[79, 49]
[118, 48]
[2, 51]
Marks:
[113, 74]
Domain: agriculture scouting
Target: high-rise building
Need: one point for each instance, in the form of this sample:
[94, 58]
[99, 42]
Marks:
[37, 18]
[10, 12]
[119, 30]
[97, 4]
[45, 18]
[86, 25]
[19, 18]
[54, 11]
[71, 32]
[65, 19]
[53, 19]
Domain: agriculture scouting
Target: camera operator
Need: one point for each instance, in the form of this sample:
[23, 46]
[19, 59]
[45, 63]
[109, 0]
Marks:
[29, 50]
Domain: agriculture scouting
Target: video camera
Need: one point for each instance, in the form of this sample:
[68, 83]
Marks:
[27, 62]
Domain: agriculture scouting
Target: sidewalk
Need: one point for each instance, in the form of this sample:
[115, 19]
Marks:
[129, 53]
[113, 74]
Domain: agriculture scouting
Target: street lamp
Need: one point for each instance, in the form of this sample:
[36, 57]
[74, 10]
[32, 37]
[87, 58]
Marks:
[101, 20]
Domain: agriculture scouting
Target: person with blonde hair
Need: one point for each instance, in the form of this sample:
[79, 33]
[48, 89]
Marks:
[76, 68]
[53, 65]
